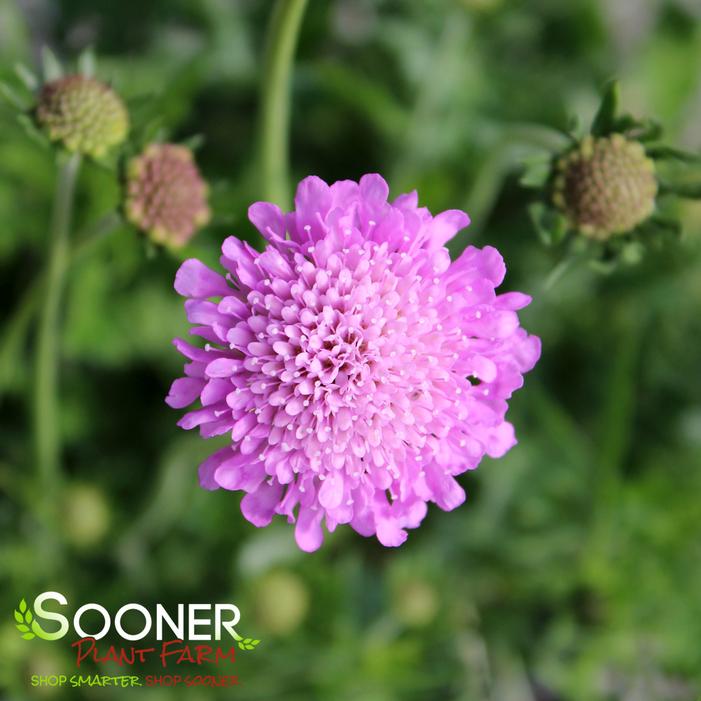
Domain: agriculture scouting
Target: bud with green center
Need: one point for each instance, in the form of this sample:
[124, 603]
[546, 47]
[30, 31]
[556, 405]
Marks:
[605, 186]
[166, 196]
[83, 114]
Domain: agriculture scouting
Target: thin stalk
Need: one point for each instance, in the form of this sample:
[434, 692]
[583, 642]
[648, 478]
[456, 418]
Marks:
[46, 405]
[275, 105]
[16, 328]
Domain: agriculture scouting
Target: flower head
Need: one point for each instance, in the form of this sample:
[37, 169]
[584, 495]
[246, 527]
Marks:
[357, 369]
[605, 186]
[166, 195]
[85, 115]
[603, 194]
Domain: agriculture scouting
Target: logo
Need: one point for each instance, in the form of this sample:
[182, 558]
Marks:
[189, 621]
[173, 628]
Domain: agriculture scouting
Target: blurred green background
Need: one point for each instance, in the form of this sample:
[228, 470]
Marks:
[573, 571]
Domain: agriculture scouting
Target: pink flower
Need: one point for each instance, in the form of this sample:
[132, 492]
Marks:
[357, 369]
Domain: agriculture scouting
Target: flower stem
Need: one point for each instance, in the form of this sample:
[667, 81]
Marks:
[281, 43]
[46, 420]
[15, 330]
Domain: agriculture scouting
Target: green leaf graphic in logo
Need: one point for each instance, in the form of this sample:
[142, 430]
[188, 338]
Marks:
[246, 643]
[23, 619]
[27, 625]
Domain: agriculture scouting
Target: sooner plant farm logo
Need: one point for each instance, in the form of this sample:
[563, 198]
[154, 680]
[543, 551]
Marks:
[174, 629]
[27, 624]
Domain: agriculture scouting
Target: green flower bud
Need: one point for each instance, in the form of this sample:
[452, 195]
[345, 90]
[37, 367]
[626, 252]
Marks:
[605, 186]
[166, 195]
[82, 113]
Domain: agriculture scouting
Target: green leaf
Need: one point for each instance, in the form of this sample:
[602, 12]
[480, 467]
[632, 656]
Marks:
[23, 606]
[242, 646]
[575, 130]
[536, 171]
[28, 616]
[13, 97]
[255, 642]
[550, 225]
[640, 130]
[27, 76]
[604, 121]
[87, 62]
[18, 617]
[246, 641]
[32, 131]
[22, 628]
[667, 153]
[51, 66]
[28, 636]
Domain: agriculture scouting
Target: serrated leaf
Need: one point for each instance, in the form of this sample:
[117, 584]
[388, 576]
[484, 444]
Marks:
[50, 65]
[18, 617]
[23, 606]
[28, 636]
[87, 62]
[27, 76]
[22, 627]
[604, 121]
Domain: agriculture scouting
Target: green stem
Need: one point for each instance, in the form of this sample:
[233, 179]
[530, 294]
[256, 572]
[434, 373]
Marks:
[46, 420]
[14, 332]
[275, 115]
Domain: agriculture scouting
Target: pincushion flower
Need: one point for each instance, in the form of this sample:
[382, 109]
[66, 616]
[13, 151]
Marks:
[603, 194]
[605, 186]
[166, 195]
[357, 370]
[82, 113]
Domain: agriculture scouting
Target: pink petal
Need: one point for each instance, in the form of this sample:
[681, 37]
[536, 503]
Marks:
[184, 391]
[308, 532]
[259, 507]
[195, 279]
